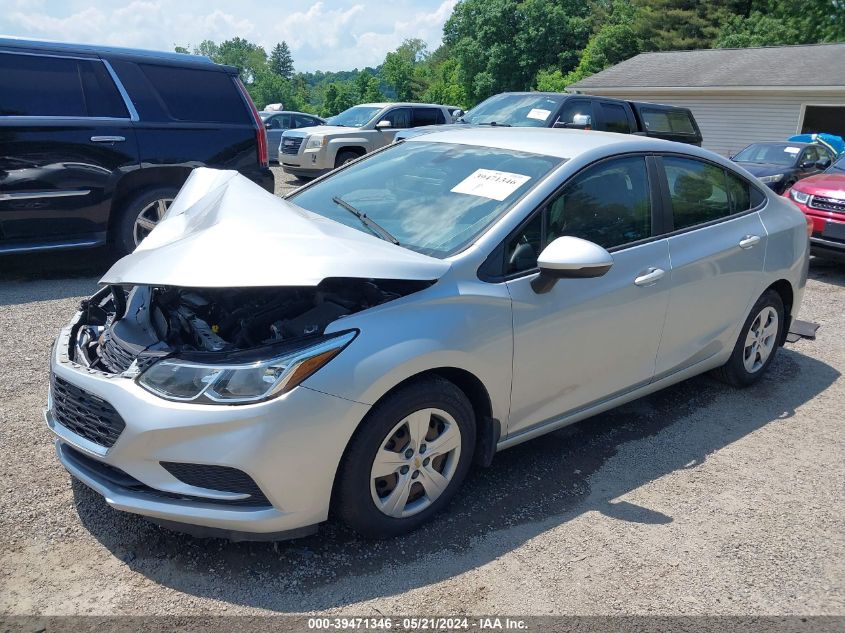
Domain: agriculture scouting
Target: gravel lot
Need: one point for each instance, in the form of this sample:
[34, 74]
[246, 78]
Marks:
[697, 500]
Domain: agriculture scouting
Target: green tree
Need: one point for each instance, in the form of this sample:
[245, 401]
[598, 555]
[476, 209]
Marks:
[338, 98]
[367, 88]
[250, 58]
[181, 49]
[281, 61]
[682, 24]
[778, 22]
[501, 44]
[399, 69]
[208, 48]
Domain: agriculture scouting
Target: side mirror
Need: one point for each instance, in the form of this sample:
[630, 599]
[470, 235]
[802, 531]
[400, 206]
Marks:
[458, 113]
[807, 164]
[267, 125]
[384, 123]
[570, 258]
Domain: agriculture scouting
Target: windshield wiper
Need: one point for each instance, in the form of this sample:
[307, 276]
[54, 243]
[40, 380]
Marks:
[495, 124]
[367, 221]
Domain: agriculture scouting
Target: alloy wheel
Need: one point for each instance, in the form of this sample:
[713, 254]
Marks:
[149, 217]
[415, 463]
[761, 339]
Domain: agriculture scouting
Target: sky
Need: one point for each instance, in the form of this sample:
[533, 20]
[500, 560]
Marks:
[322, 35]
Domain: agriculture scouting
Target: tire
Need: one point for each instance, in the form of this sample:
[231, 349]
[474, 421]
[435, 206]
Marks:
[417, 484]
[344, 157]
[742, 370]
[146, 204]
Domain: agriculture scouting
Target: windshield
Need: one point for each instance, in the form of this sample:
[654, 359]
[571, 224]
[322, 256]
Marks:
[838, 166]
[516, 110]
[776, 153]
[434, 198]
[355, 116]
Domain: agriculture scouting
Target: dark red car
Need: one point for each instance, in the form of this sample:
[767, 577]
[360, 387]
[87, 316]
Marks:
[822, 199]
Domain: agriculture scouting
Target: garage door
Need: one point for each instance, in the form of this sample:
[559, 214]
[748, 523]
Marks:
[830, 119]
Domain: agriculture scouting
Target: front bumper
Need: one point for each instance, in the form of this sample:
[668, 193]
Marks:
[290, 447]
[306, 162]
[828, 236]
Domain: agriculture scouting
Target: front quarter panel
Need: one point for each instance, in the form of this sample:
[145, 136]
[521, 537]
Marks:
[456, 323]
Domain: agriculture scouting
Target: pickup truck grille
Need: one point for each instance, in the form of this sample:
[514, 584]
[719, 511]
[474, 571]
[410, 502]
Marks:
[827, 204]
[291, 145]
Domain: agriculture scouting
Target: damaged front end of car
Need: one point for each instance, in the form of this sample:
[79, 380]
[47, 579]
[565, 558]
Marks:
[222, 345]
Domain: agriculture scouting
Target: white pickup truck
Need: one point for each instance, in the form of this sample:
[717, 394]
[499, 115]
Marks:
[311, 151]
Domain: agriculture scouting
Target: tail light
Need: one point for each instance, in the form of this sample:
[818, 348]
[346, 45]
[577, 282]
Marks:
[809, 225]
[260, 132]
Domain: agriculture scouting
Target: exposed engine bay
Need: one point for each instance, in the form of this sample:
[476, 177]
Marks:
[147, 323]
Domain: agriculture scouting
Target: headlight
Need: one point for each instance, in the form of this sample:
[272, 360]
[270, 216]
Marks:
[799, 196]
[775, 178]
[315, 142]
[186, 381]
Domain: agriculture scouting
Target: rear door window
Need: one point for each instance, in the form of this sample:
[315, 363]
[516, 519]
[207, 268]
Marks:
[743, 194]
[698, 191]
[615, 118]
[667, 121]
[38, 85]
[398, 117]
[193, 94]
[428, 116]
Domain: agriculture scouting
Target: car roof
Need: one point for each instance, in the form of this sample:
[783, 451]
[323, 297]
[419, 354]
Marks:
[288, 112]
[399, 103]
[10, 42]
[561, 143]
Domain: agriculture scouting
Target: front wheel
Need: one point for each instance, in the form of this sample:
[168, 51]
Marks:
[407, 460]
[344, 157]
[758, 342]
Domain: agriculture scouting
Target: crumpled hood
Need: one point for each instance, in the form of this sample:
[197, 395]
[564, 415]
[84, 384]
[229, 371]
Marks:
[222, 230]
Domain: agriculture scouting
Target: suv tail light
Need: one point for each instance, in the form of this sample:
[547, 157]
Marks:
[260, 133]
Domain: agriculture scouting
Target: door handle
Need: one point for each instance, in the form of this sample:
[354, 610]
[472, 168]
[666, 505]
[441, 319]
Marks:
[651, 276]
[108, 139]
[749, 241]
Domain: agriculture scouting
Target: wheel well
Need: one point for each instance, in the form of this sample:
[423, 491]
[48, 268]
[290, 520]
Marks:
[487, 428]
[137, 181]
[358, 151]
[784, 289]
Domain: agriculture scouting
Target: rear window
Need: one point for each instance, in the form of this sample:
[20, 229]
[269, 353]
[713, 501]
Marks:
[192, 94]
[35, 85]
[667, 121]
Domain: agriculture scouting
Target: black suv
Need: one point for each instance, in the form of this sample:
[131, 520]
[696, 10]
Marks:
[556, 109]
[96, 142]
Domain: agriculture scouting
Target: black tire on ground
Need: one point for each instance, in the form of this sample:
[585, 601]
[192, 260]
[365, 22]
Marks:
[124, 228]
[353, 500]
[734, 372]
[344, 157]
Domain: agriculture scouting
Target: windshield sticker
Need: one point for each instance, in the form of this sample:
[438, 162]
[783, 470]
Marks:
[791, 150]
[489, 183]
[539, 114]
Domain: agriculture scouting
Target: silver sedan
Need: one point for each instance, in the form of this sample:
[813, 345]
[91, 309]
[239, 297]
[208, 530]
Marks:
[257, 362]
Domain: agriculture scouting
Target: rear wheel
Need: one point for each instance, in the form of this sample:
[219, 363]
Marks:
[140, 216]
[757, 344]
[407, 460]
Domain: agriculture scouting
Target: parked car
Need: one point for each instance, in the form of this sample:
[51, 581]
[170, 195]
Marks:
[95, 142]
[276, 122]
[559, 110]
[822, 199]
[354, 132]
[780, 164]
[365, 340]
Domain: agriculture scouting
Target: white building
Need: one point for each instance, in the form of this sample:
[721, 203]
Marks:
[738, 96]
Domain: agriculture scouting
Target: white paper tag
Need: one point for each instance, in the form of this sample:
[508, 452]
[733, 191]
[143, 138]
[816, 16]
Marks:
[539, 114]
[791, 150]
[489, 183]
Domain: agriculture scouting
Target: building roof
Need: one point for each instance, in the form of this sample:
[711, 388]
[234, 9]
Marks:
[774, 66]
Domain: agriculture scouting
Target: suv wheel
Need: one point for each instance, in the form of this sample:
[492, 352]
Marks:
[757, 344]
[345, 157]
[140, 216]
[407, 460]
